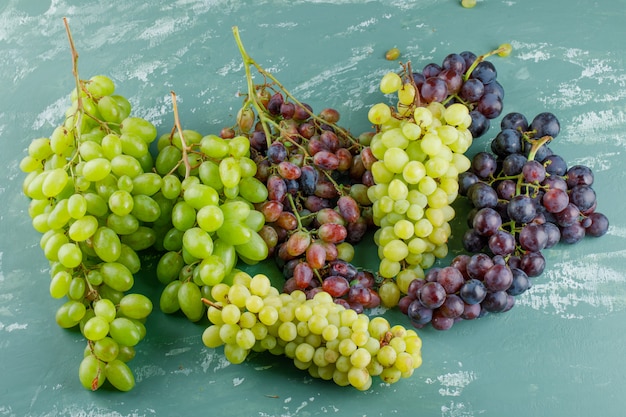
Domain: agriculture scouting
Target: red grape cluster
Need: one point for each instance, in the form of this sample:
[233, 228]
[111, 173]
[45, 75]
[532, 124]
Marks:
[317, 206]
[467, 79]
[525, 199]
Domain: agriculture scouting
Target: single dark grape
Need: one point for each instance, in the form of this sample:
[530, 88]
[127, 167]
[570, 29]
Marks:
[521, 209]
[482, 195]
[513, 164]
[472, 90]
[484, 165]
[498, 278]
[495, 302]
[533, 237]
[485, 71]
[469, 58]
[501, 243]
[432, 295]
[507, 142]
[480, 124]
[582, 196]
[520, 283]
[599, 225]
[573, 233]
[473, 241]
[454, 61]
[490, 105]
[555, 165]
[579, 175]
[478, 265]
[473, 291]
[514, 120]
[431, 70]
[545, 124]
[434, 90]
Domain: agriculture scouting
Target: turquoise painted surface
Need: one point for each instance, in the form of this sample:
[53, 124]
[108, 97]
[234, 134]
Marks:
[559, 352]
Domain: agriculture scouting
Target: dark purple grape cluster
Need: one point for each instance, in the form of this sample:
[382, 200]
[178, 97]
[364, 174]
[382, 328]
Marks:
[463, 78]
[317, 176]
[525, 199]
[469, 288]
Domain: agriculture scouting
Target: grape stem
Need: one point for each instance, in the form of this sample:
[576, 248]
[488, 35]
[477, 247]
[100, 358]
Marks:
[178, 128]
[211, 303]
[536, 144]
[480, 59]
[79, 100]
[248, 62]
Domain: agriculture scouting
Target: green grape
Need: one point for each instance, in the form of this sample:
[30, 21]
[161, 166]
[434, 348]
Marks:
[70, 313]
[59, 216]
[107, 244]
[106, 349]
[135, 306]
[105, 309]
[210, 218]
[148, 183]
[111, 146]
[70, 255]
[60, 284]
[119, 375]
[226, 253]
[214, 147]
[190, 301]
[122, 225]
[110, 110]
[40, 148]
[89, 150]
[83, 228]
[171, 187]
[99, 86]
[124, 331]
[142, 238]
[167, 160]
[126, 165]
[96, 328]
[145, 209]
[390, 83]
[211, 337]
[97, 169]
[212, 270]
[198, 242]
[199, 195]
[133, 145]
[77, 288]
[208, 172]
[139, 127]
[91, 372]
[169, 267]
[54, 182]
[230, 172]
[116, 276]
[173, 239]
[168, 301]
[235, 232]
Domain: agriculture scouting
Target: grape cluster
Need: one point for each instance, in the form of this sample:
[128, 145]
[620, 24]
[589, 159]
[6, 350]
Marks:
[417, 155]
[321, 336]
[209, 221]
[468, 79]
[317, 205]
[525, 199]
[92, 199]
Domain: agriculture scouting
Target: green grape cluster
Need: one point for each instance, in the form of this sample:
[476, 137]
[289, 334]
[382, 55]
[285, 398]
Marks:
[94, 199]
[418, 154]
[211, 222]
[319, 335]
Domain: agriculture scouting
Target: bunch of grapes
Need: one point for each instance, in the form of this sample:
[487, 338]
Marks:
[91, 197]
[464, 78]
[209, 221]
[525, 199]
[417, 155]
[321, 336]
[317, 205]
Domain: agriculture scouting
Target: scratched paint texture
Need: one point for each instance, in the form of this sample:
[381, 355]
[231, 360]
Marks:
[559, 352]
